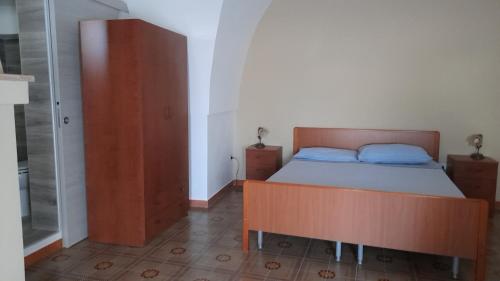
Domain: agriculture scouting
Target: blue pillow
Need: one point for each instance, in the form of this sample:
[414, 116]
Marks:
[327, 154]
[393, 154]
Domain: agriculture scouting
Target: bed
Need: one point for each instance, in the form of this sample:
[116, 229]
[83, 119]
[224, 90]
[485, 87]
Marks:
[380, 177]
[304, 200]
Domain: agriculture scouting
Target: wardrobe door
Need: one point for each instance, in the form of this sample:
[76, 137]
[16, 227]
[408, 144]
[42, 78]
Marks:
[179, 96]
[113, 126]
[161, 133]
[177, 121]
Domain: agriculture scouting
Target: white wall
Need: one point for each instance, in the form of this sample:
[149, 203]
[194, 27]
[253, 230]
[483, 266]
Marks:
[198, 20]
[11, 235]
[220, 148]
[429, 64]
[237, 24]
[8, 17]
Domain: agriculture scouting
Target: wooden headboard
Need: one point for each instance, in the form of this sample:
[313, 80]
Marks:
[355, 138]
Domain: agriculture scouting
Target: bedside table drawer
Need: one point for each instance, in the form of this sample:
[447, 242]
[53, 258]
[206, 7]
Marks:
[261, 158]
[473, 188]
[475, 171]
[260, 173]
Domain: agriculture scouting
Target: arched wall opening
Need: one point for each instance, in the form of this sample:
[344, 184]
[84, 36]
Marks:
[219, 33]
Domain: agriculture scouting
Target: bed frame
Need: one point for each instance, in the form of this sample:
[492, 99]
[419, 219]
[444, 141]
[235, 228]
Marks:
[447, 226]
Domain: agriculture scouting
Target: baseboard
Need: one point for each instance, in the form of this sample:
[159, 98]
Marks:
[214, 199]
[42, 253]
[198, 204]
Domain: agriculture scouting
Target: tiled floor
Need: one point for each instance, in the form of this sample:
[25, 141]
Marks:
[206, 246]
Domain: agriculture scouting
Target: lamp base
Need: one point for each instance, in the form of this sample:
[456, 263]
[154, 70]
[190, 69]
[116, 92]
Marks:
[259, 145]
[477, 156]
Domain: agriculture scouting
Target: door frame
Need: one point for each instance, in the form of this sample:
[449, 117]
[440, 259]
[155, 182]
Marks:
[54, 81]
[54, 87]
[120, 6]
[55, 132]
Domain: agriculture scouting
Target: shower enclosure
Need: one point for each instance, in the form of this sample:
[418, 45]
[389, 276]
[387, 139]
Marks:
[41, 38]
[24, 50]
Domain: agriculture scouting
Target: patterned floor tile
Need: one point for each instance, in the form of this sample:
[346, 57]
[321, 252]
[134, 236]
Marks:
[200, 233]
[89, 245]
[284, 245]
[65, 259]
[230, 239]
[248, 278]
[102, 267]
[150, 270]
[222, 258]
[134, 251]
[315, 270]
[196, 274]
[179, 252]
[434, 267]
[369, 275]
[394, 262]
[271, 266]
[38, 275]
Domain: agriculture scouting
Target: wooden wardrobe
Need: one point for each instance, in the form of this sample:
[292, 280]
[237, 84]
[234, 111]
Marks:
[135, 95]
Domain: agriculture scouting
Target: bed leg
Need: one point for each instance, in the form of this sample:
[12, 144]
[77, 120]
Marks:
[338, 251]
[260, 236]
[456, 268]
[360, 254]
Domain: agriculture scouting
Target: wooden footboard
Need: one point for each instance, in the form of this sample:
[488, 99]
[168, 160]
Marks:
[401, 221]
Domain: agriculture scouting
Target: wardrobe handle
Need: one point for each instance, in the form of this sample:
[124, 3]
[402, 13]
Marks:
[66, 120]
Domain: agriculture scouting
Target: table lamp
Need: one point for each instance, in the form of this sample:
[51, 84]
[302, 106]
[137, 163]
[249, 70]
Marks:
[260, 133]
[476, 140]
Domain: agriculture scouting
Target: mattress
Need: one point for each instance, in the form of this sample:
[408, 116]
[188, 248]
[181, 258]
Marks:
[425, 180]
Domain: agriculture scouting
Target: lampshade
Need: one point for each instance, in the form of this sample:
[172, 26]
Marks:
[475, 140]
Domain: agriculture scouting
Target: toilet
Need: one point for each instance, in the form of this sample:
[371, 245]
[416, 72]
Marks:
[24, 187]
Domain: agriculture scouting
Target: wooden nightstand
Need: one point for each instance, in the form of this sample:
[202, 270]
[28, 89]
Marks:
[263, 163]
[475, 178]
